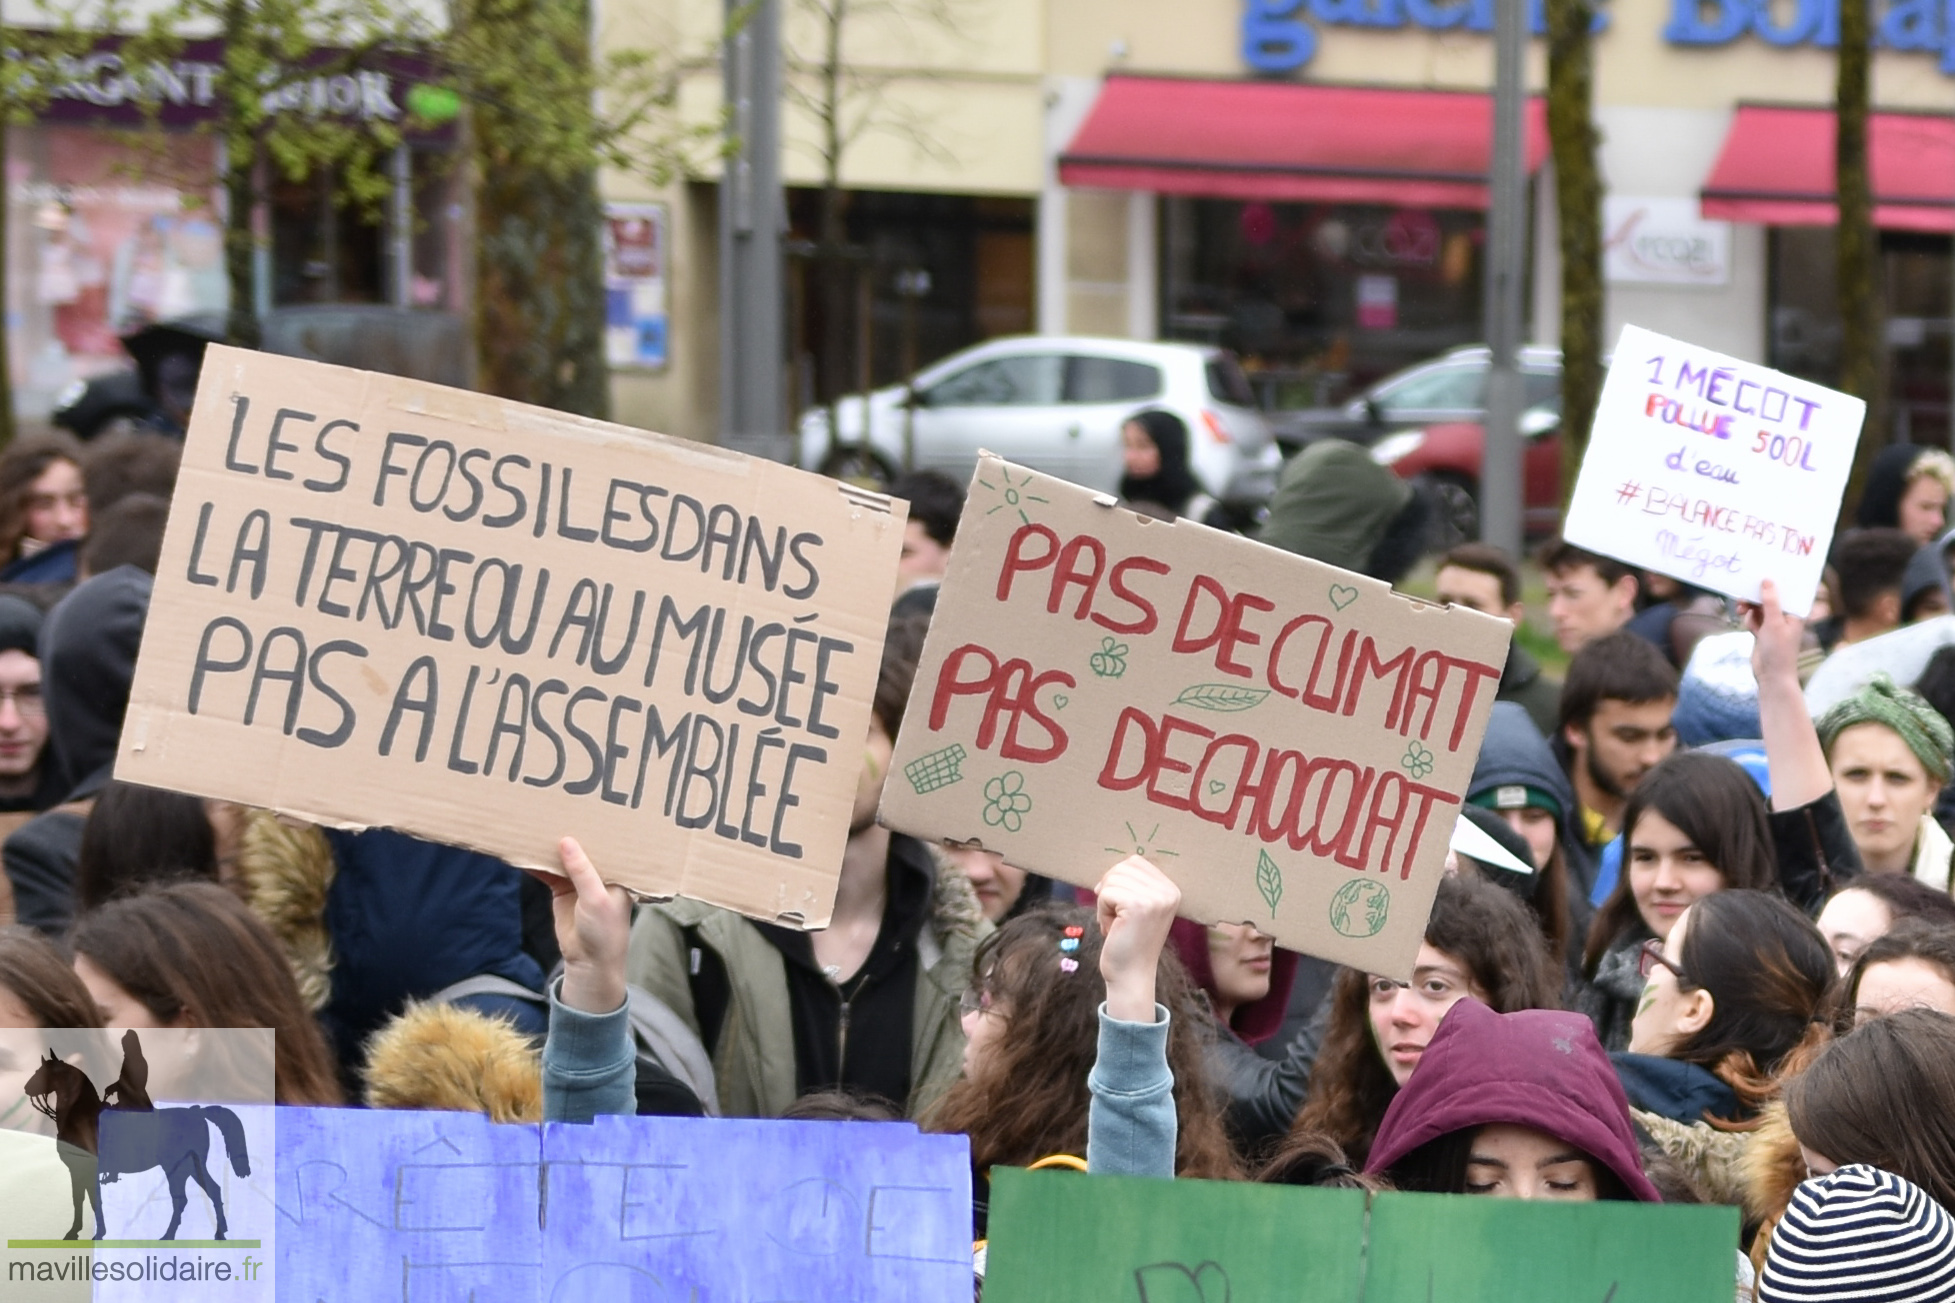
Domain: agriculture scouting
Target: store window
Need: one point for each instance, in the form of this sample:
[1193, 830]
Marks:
[1319, 299]
[102, 240]
[1914, 284]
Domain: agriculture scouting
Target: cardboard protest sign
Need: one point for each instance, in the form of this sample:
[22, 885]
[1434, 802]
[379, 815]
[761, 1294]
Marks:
[1287, 740]
[399, 1204]
[385, 602]
[1057, 1237]
[1714, 471]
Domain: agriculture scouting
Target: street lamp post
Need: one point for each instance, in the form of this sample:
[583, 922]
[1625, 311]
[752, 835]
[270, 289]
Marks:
[1500, 474]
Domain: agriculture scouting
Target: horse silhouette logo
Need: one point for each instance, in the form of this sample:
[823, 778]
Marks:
[142, 1136]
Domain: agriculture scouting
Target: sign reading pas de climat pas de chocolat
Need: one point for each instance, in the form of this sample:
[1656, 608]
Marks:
[384, 602]
[1714, 471]
[1287, 740]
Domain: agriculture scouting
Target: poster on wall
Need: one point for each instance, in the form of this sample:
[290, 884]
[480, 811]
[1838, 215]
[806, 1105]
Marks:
[1711, 470]
[105, 240]
[1663, 241]
[634, 285]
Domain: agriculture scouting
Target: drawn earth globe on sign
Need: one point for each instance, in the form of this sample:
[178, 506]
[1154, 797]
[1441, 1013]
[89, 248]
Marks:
[1359, 908]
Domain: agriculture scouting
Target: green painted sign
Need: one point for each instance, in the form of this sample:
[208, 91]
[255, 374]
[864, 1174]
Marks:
[1059, 1237]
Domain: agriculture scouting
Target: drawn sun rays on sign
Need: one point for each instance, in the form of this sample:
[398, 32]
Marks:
[1014, 496]
[1142, 846]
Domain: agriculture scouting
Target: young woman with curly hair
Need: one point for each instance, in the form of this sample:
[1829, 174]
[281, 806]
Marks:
[1040, 996]
[1480, 942]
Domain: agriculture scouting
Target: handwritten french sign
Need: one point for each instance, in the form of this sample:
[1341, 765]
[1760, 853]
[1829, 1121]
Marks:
[385, 602]
[1287, 740]
[1714, 471]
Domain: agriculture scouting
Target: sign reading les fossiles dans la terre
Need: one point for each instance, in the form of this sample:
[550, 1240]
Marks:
[385, 602]
[1714, 471]
[1287, 740]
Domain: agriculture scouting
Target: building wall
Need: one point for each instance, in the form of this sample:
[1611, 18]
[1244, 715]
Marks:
[986, 110]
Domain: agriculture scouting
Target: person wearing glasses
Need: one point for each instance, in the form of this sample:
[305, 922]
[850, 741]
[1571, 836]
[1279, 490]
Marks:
[1698, 825]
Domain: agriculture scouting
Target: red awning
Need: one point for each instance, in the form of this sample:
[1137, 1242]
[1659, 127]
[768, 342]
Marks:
[1283, 141]
[1777, 169]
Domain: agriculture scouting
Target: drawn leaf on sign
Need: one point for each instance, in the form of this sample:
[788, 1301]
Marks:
[1221, 696]
[1269, 880]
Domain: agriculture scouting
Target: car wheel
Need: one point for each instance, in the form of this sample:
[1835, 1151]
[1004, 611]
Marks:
[859, 465]
[1459, 510]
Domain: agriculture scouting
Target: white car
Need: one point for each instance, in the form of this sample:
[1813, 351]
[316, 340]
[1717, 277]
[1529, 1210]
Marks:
[1056, 403]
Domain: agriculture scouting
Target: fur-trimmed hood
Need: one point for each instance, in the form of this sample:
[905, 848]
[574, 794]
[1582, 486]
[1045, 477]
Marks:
[287, 869]
[442, 1056]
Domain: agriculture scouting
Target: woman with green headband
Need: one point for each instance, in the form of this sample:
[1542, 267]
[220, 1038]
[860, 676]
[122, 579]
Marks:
[1890, 753]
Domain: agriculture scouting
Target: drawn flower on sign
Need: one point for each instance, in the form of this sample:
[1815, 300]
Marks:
[1110, 661]
[1417, 761]
[1006, 802]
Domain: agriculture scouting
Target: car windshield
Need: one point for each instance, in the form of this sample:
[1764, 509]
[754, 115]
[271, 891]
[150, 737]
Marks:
[1227, 384]
[1453, 386]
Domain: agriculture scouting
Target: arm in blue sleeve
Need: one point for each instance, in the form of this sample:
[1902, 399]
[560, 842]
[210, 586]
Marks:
[1131, 1126]
[589, 1063]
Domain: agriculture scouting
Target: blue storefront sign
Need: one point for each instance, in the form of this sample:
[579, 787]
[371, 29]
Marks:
[1280, 36]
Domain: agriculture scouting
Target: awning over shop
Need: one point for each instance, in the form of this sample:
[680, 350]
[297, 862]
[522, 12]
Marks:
[1283, 141]
[1777, 169]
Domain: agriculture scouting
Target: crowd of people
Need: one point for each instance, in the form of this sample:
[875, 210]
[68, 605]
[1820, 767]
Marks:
[1727, 977]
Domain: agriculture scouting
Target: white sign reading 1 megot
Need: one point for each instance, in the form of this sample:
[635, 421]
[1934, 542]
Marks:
[1718, 472]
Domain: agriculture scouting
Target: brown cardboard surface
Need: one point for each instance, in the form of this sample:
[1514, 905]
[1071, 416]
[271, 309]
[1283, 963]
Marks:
[1287, 740]
[351, 625]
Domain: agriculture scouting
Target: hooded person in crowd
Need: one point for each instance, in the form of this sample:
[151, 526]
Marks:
[30, 775]
[1155, 472]
[1890, 753]
[1924, 587]
[88, 651]
[1480, 942]
[1483, 578]
[1517, 778]
[1246, 978]
[1335, 504]
[1908, 487]
[1523, 1104]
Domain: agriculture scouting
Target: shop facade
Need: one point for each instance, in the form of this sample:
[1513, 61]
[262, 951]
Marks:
[114, 213]
[1303, 181]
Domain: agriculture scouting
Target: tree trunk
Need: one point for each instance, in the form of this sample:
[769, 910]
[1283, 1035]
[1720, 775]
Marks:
[832, 239]
[6, 348]
[1856, 245]
[237, 134]
[539, 292]
[1578, 208]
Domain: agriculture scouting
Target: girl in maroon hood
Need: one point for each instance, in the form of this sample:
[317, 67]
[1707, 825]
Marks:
[1480, 942]
[1521, 1104]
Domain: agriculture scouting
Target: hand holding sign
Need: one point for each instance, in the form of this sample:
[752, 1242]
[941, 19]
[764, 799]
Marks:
[1714, 471]
[1137, 904]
